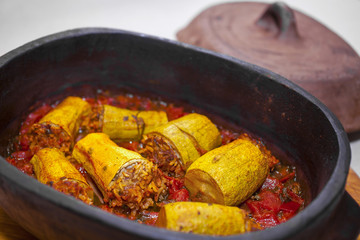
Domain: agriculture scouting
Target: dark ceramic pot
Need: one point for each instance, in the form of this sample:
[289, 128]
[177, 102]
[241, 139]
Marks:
[262, 102]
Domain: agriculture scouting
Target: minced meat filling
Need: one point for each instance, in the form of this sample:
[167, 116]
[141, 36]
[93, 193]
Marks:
[139, 186]
[45, 135]
[160, 151]
[73, 188]
[92, 122]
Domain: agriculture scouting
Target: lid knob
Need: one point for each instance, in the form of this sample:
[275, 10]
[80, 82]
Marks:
[279, 19]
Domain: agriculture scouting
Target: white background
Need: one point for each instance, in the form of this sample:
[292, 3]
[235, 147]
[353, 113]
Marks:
[22, 21]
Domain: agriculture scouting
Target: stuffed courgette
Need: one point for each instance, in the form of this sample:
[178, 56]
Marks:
[227, 175]
[124, 177]
[51, 167]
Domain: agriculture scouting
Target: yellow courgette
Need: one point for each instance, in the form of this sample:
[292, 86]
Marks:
[124, 124]
[51, 167]
[202, 218]
[227, 175]
[59, 127]
[124, 177]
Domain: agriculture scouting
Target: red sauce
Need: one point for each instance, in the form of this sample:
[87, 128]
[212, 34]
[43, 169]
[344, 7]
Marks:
[279, 198]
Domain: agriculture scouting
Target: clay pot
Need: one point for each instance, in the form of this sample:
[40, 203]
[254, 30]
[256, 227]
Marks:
[264, 103]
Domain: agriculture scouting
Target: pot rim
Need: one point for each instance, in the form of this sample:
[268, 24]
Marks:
[326, 199]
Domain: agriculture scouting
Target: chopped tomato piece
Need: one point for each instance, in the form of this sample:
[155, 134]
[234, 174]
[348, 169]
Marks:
[27, 168]
[284, 216]
[254, 207]
[272, 160]
[177, 191]
[290, 206]
[272, 184]
[22, 155]
[23, 165]
[294, 197]
[287, 177]
[132, 145]
[228, 136]
[146, 105]
[90, 100]
[105, 100]
[122, 101]
[150, 218]
[266, 208]
[268, 220]
[270, 201]
[174, 112]
[180, 196]
[288, 210]
[174, 184]
[24, 142]
[34, 117]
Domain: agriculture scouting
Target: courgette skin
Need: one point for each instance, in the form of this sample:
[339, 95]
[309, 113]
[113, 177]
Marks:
[201, 129]
[124, 124]
[202, 218]
[51, 167]
[227, 175]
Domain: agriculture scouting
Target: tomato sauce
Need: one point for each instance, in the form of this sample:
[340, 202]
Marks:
[279, 198]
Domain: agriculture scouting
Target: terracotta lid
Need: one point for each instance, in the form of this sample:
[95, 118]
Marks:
[289, 43]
